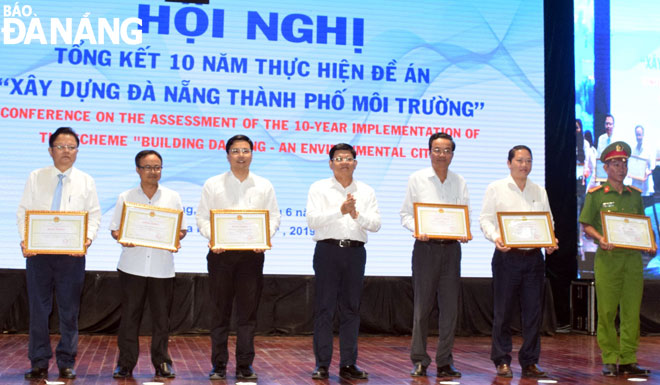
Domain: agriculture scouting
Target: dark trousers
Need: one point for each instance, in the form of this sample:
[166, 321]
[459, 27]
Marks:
[339, 272]
[64, 274]
[436, 278]
[234, 274]
[517, 275]
[135, 292]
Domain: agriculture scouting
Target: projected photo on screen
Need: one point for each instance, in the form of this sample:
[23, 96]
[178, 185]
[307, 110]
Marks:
[294, 76]
[617, 73]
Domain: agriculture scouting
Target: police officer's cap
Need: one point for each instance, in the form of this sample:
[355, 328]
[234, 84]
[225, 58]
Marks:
[615, 150]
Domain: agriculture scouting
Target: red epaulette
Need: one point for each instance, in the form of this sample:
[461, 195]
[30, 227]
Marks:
[595, 188]
[635, 188]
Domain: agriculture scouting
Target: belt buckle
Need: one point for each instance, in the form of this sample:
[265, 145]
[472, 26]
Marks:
[344, 243]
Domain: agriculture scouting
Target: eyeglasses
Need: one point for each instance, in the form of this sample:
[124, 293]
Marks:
[151, 168]
[236, 151]
[339, 159]
[62, 147]
[439, 150]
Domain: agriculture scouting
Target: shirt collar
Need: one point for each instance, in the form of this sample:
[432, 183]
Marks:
[607, 188]
[350, 187]
[433, 176]
[56, 171]
[158, 190]
[235, 180]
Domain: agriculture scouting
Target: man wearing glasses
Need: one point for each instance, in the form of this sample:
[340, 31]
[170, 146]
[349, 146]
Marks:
[436, 263]
[340, 210]
[235, 273]
[60, 187]
[145, 274]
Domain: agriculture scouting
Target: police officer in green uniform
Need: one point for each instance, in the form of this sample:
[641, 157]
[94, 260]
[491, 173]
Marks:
[618, 271]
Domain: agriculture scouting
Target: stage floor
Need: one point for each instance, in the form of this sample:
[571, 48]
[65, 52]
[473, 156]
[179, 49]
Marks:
[569, 358]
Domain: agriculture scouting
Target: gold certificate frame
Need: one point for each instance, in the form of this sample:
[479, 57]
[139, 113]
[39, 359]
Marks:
[441, 221]
[55, 232]
[529, 229]
[628, 231]
[240, 229]
[150, 226]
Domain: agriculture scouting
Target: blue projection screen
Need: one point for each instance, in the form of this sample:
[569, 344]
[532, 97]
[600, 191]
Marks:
[296, 77]
[620, 75]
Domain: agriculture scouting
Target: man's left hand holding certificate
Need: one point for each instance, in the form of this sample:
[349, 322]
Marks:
[55, 232]
[150, 226]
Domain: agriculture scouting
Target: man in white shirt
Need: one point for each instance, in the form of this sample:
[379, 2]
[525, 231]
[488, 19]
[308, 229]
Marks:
[235, 273]
[517, 273]
[605, 139]
[60, 187]
[436, 263]
[646, 152]
[340, 210]
[145, 274]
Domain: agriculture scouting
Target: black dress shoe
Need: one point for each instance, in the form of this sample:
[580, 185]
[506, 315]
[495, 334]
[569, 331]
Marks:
[36, 374]
[320, 373]
[67, 373]
[448, 371]
[533, 371]
[122, 372]
[165, 370]
[245, 373]
[419, 370]
[504, 370]
[609, 370]
[219, 372]
[352, 372]
[633, 370]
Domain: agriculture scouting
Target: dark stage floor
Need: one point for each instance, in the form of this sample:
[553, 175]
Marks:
[570, 359]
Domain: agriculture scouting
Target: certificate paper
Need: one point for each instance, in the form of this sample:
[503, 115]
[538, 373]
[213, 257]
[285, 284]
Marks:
[150, 226]
[240, 229]
[601, 175]
[55, 232]
[637, 167]
[628, 230]
[526, 229]
[442, 221]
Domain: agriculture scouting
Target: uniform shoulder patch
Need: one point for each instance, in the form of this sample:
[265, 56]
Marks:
[635, 188]
[595, 188]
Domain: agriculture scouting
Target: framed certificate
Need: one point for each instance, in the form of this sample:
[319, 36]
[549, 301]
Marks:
[150, 226]
[240, 229]
[628, 230]
[442, 221]
[601, 175]
[526, 229]
[637, 167]
[55, 232]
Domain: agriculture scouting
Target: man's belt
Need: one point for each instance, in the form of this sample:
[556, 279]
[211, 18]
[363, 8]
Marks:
[343, 242]
[443, 241]
[525, 252]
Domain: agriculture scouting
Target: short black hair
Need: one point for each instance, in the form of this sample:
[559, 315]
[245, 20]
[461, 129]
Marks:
[512, 151]
[609, 115]
[238, 138]
[144, 153]
[442, 135]
[342, 147]
[63, 131]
